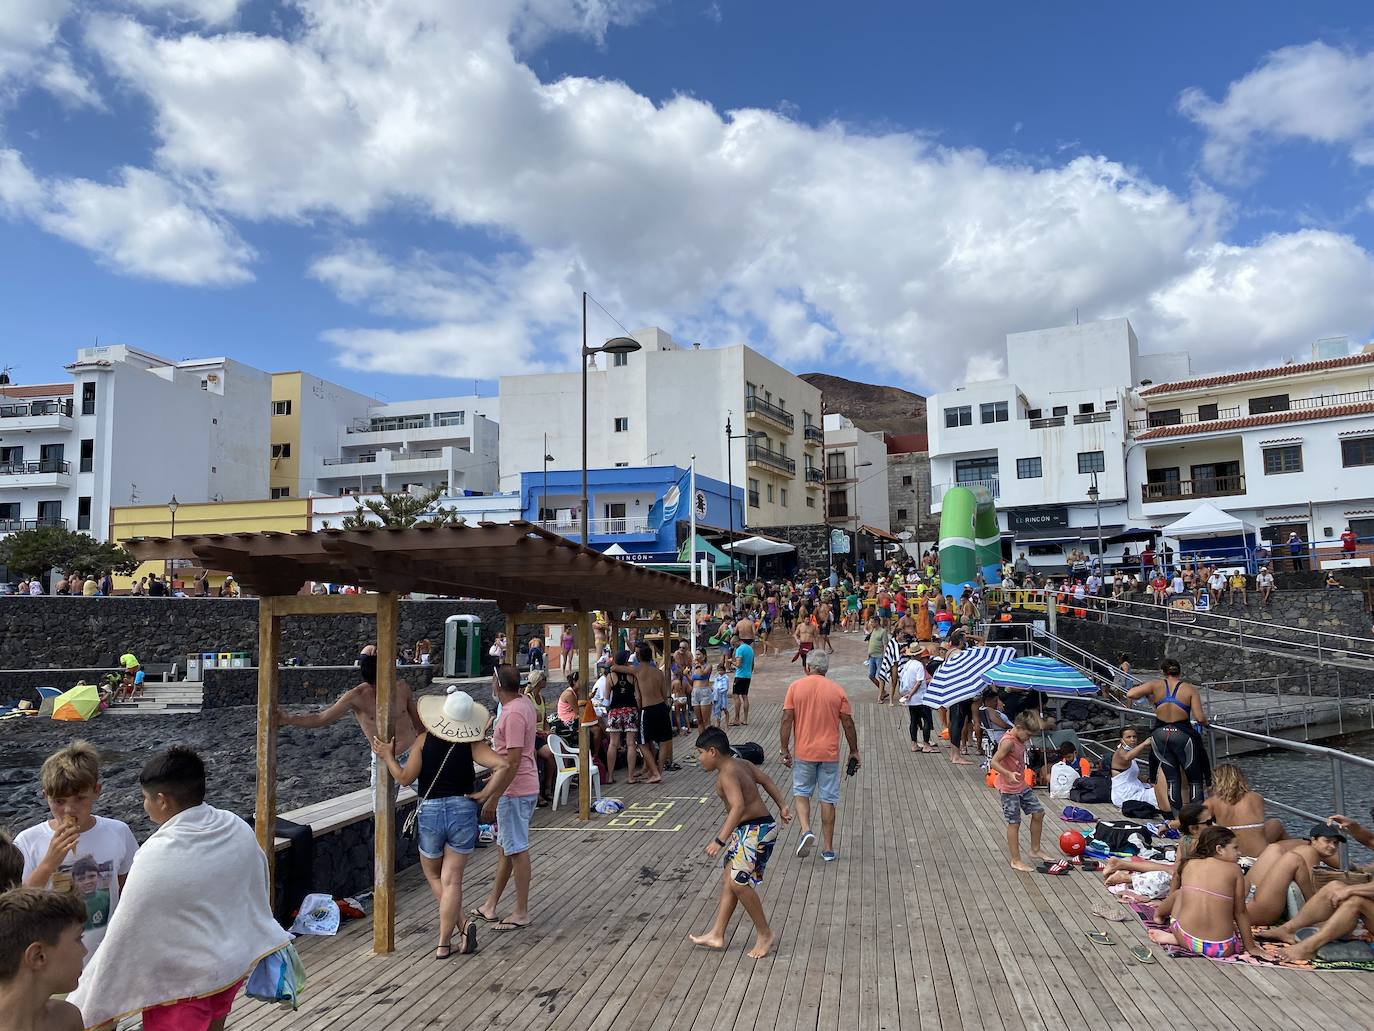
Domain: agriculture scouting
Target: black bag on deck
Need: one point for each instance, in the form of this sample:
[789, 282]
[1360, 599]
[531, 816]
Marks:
[1091, 789]
[749, 751]
[1116, 834]
[1134, 809]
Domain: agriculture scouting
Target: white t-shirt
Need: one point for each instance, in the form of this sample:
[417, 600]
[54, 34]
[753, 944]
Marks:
[601, 694]
[102, 855]
[1265, 580]
[1217, 582]
[913, 682]
[1177, 584]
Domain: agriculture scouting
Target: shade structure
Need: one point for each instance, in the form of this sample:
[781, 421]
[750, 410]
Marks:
[759, 546]
[960, 677]
[79, 704]
[1041, 673]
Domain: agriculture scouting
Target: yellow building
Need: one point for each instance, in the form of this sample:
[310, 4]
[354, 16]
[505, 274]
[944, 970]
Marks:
[284, 515]
[285, 432]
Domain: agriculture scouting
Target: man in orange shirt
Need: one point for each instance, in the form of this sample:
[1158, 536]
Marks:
[816, 708]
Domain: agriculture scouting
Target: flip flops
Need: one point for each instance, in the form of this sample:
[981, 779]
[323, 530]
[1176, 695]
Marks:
[1058, 869]
[1114, 915]
[1142, 955]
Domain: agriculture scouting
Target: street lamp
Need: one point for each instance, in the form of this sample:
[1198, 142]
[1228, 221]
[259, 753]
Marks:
[1095, 496]
[172, 507]
[544, 501]
[857, 466]
[615, 345]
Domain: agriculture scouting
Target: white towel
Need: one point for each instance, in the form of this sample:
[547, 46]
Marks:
[193, 919]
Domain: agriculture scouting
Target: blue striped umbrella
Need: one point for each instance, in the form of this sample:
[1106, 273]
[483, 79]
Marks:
[960, 677]
[1041, 673]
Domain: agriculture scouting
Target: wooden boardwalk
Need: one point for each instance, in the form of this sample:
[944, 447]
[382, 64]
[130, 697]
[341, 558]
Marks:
[919, 924]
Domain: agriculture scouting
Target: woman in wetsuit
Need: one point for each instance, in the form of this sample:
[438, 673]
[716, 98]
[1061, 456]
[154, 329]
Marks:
[1175, 743]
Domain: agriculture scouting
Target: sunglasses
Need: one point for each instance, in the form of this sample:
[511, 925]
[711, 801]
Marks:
[1207, 823]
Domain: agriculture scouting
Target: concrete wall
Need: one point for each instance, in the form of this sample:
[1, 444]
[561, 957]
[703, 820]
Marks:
[314, 685]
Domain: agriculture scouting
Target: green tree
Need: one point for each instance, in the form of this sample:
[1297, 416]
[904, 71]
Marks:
[402, 510]
[34, 552]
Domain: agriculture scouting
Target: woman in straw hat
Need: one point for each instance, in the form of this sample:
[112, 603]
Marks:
[440, 766]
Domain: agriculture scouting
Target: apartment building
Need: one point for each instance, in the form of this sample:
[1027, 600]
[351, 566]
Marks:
[908, 489]
[665, 403]
[327, 439]
[855, 477]
[130, 428]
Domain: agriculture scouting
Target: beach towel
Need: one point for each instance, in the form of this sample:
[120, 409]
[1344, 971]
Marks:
[193, 919]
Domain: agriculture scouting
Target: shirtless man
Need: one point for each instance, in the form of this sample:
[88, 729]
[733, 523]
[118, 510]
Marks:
[1284, 863]
[806, 635]
[824, 624]
[361, 701]
[655, 719]
[747, 631]
[1335, 909]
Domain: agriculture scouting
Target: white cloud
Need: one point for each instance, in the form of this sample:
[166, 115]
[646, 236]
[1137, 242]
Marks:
[211, 12]
[31, 52]
[1314, 92]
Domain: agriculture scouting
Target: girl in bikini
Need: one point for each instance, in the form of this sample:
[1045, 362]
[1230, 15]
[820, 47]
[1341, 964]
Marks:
[1236, 806]
[1207, 908]
[701, 689]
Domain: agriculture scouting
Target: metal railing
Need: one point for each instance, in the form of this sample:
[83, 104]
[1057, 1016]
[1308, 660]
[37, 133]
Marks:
[767, 456]
[390, 424]
[1084, 418]
[814, 474]
[991, 484]
[1048, 422]
[17, 525]
[350, 460]
[611, 525]
[813, 433]
[1209, 487]
[755, 405]
[837, 472]
[35, 408]
[1156, 420]
[43, 465]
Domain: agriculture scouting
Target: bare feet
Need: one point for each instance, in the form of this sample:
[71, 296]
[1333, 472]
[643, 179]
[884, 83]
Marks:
[1112, 866]
[1276, 933]
[1021, 868]
[763, 943]
[913, 747]
[653, 780]
[707, 941]
[959, 761]
[1302, 952]
[1040, 854]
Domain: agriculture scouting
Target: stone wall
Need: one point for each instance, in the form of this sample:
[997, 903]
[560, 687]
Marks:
[80, 633]
[343, 860]
[909, 503]
[811, 542]
[296, 684]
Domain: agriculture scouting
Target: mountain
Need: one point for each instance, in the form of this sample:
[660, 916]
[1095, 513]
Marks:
[869, 406]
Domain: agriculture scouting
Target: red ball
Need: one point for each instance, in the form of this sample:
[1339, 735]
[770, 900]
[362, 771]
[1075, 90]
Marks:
[1071, 843]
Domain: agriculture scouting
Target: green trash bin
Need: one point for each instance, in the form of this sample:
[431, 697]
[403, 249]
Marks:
[462, 646]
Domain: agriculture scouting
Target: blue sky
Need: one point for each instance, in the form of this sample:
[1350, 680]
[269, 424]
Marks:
[411, 202]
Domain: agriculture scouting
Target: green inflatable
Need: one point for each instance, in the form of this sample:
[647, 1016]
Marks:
[970, 539]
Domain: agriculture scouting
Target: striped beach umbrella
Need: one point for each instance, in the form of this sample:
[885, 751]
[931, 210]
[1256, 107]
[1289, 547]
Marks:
[960, 677]
[1041, 673]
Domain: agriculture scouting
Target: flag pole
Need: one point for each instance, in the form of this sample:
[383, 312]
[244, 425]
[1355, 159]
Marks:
[692, 546]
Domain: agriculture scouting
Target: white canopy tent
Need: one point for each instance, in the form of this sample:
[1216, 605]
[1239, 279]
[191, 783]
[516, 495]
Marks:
[1208, 521]
[758, 546]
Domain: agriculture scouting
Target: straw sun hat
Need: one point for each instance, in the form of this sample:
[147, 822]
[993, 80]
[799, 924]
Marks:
[454, 717]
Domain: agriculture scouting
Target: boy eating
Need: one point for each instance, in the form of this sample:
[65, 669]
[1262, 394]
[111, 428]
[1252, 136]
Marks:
[40, 956]
[1009, 763]
[747, 837]
[77, 851]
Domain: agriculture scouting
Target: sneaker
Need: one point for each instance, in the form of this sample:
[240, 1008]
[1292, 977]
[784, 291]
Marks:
[829, 857]
[804, 846]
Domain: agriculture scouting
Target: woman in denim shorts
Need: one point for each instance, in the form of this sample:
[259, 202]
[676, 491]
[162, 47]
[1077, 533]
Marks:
[440, 766]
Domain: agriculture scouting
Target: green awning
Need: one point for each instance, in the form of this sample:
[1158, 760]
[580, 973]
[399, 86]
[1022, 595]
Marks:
[719, 557]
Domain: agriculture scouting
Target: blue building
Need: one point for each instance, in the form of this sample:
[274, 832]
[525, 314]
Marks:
[638, 509]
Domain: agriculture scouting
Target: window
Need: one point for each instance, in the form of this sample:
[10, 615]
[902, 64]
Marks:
[906, 481]
[1207, 413]
[993, 411]
[1059, 410]
[901, 514]
[1028, 469]
[619, 361]
[1087, 408]
[768, 397]
[88, 399]
[87, 456]
[51, 458]
[1268, 403]
[83, 513]
[622, 424]
[281, 407]
[770, 493]
[836, 468]
[1033, 413]
[1091, 462]
[622, 465]
[1165, 417]
[782, 496]
[750, 389]
[1359, 451]
[810, 502]
[12, 455]
[281, 492]
[961, 415]
[9, 512]
[1110, 406]
[450, 418]
[50, 513]
[806, 419]
[281, 450]
[975, 470]
[753, 493]
[1286, 459]
[838, 505]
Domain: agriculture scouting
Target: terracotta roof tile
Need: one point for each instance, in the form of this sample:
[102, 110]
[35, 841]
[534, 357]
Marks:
[1251, 421]
[1348, 361]
[36, 390]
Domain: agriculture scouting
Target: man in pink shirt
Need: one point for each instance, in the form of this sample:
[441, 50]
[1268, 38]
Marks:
[513, 738]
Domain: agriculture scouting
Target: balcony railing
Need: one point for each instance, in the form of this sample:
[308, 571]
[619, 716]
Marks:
[572, 527]
[1153, 422]
[1210, 487]
[814, 474]
[755, 405]
[1047, 423]
[16, 525]
[1354, 397]
[836, 472]
[813, 433]
[1084, 418]
[990, 484]
[837, 512]
[349, 460]
[35, 408]
[44, 465]
[772, 459]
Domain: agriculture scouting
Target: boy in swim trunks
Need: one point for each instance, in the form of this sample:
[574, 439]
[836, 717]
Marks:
[746, 837]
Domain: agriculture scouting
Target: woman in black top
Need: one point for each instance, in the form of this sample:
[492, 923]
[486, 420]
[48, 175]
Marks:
[440, 765]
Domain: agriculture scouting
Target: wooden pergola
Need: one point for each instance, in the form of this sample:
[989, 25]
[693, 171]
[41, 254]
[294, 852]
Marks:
[516, 564]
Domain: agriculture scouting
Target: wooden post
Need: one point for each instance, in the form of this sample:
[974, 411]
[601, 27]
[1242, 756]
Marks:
[584, 745]
[265, 809]
[384, 870]
[512, 643]
[667, 627]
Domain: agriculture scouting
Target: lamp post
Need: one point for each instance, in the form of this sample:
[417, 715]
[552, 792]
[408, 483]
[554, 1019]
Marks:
[172, 507]
[615, 345]
[544, 501]
[857, 466]
[1095, 496]
[730, 486]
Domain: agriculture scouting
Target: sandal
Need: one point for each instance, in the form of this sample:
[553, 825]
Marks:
[477, 914]
[1142, 954]
[447, 951]
[1059, 869]
[469, 939]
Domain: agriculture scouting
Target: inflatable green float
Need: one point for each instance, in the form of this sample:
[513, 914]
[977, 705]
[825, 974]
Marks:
[970, 539]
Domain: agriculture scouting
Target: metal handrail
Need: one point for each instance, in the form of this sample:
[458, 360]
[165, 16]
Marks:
[755, 405]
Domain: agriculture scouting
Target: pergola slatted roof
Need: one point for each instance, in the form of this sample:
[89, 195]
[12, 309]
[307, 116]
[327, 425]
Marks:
[513, 564]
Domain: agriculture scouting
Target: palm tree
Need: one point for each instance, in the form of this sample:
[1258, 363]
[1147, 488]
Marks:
[402, 510]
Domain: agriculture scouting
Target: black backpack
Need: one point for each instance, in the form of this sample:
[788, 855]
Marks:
[1091, 789]
[1114, 833]
[749, 751]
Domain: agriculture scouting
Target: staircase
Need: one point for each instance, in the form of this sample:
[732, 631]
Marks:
[185, 696]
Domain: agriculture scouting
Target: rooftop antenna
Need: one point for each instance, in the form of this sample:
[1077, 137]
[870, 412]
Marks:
[5, 375]
[1075, 316]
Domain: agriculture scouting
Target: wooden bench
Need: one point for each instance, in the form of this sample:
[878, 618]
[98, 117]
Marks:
[325, 817]
[167, 670]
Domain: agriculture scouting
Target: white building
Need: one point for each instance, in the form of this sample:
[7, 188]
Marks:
[132, 428]
[665, 403]
[330, 512]
[327, 439]
[855, 476]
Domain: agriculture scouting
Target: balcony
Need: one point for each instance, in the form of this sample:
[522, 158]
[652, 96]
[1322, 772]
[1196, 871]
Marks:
[18, 525]
[36, 415]
[757, 454]
[1155, 421]
[814, 476]
[47, 472]
[1048, 423]
[939, 490]
[614, 526]
[1175, 490]
[837, 472]
[1085, 418]
[813, 434]
[769, 412]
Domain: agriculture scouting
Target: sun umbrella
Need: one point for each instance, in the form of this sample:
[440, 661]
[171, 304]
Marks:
[960, 677]
[81, 703]
[1041, 673]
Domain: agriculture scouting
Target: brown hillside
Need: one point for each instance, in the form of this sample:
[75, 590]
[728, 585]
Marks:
[871, 407]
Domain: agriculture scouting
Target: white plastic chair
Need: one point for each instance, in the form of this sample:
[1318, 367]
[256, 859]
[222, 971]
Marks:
[566, 759]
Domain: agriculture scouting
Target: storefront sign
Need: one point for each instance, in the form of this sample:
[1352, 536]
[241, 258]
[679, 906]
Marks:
[1041, 517]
